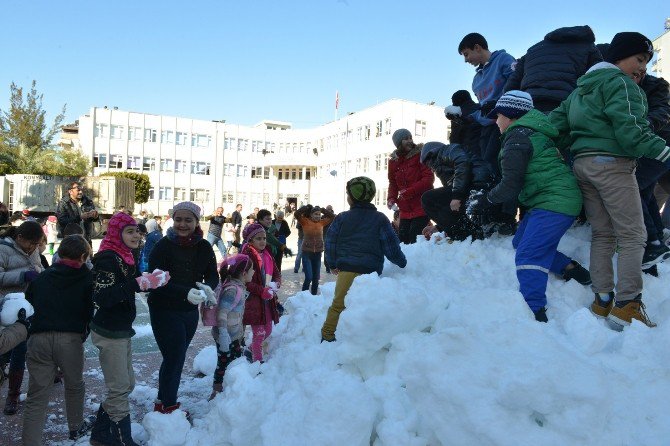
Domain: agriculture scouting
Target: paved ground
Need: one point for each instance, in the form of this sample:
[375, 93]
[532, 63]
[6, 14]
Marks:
[146, 362]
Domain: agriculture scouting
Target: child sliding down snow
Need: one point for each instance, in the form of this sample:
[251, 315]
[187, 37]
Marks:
[260, 309]
[235, 272]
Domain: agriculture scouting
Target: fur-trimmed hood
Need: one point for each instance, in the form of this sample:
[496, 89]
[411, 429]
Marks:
[414, 152]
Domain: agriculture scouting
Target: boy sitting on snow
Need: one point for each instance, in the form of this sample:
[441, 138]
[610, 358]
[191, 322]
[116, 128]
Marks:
[533, 169]
[356, 244]
[459, 171]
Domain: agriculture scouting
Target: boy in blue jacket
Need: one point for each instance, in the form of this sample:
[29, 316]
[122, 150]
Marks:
[356, 244]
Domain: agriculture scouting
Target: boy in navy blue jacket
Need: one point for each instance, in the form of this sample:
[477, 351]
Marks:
[356, 244]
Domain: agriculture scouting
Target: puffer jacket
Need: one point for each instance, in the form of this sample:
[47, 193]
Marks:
[657, 90]
[407, 175]
[459, 169]
[255, 306]
[607, 115]
[13, 265]
[550, 68]
[533, 168]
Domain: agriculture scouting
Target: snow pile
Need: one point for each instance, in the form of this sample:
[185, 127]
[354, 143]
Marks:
[166, 429]
[11, 304]
[446, 351]
[205, 361]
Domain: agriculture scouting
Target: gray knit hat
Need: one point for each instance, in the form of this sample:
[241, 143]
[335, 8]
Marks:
[187, 206]
[399, 136]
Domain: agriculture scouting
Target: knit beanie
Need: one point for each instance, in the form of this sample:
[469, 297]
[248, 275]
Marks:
[461, 97]
[361, 189]
[187, 206]
[399, 136]
[628, 44]
[251, 231]
[513, 104]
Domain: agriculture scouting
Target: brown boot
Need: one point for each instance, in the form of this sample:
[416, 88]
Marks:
[623, 313]
[600, 307]
[12, 403]
[216, 389]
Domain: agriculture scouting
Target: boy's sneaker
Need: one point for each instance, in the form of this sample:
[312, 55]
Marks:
[654, 254]
[84, 428]
[578, 273]
[623, 313]
[602, 308]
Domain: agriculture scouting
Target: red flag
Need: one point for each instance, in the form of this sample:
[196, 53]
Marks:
[337, 100]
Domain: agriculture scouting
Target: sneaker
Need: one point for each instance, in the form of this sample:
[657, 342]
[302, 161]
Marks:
[654, 254]
[541, 315]
[652, 270]
[624, 312]
[578, 273]
[602, 308]
[84, 428]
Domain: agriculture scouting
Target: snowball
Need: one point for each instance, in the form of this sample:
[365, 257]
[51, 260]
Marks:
[205, 361]
[11, 305]
[166, 429]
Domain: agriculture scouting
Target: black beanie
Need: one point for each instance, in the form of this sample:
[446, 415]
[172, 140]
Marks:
[460, 98]
[628, 44]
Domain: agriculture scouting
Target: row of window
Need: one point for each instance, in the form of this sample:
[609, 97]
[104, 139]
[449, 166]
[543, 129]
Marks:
[361, 165]
[151, 135]
[294, 174]
[179, 194]
[149, 163]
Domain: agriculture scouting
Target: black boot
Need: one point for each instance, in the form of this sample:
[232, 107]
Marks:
[121, 432]
[578, 273]
[12, 402]
[101, 433]
[541, 315]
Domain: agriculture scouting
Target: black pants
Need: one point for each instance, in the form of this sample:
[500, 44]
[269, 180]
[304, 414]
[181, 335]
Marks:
[173, 331]
[489, 143]
[409, 228]
[457, 225]
[648, 173]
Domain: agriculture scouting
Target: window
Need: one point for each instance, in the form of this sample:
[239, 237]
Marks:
[266, 173]
[229, 170]
[242, 145]
[167, 137]
[150, 135]
[101, 131]
[116, 162]
[135, 133]
[241, 170]
[165, 193]
[152, 193]
[181, 138]
[180, 166]
[134, 163]
[199, 195]
[229, 144]
[387, 126]
[378, 162]
[256, 172]
[100, 160]
[198, 140]
[117, 132]
[200, 167]
[378, 129]
[227, 197]
[420, 128]
[366, 164]
[167, 164]
[180, 194]
[149, 163]
[366, 133]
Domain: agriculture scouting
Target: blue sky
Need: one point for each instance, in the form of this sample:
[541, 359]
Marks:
[244, 61]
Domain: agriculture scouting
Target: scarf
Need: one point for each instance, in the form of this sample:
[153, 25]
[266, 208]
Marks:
[113, 240]
[185, 241]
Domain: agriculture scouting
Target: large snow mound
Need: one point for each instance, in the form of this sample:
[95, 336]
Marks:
[446, 351]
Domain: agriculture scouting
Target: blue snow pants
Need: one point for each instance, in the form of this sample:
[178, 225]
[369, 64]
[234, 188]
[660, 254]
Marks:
[535, 242]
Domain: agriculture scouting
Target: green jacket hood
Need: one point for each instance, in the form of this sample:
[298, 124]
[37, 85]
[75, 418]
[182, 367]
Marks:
[535, 120]
[596, 75]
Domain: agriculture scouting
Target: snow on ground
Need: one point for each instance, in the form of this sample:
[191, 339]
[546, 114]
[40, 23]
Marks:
[444, 351]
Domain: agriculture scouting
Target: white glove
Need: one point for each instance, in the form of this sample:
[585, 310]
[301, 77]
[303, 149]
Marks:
[195, 296]
[210, 296]
[224, 340]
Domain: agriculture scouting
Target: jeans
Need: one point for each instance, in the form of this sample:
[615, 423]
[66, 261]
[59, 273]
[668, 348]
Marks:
[214, 240]
[173, 331]
[298, 256]
[311, 266]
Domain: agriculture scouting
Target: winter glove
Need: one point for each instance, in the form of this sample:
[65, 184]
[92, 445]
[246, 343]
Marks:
[487, 107]
[30, 275]
[210, 295]
[22, 319]
[153, 280]
[479, 204]
[195, 296]
[267, 293]
[224, 340]
[390, 203]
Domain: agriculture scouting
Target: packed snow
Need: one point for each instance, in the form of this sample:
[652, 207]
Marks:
[444, 351]
[11, 304]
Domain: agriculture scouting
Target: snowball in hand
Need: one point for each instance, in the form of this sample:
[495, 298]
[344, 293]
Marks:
[12, 303]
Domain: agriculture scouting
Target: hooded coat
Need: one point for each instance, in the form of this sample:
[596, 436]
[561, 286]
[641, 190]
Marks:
[607, 115]
[549, 70]
[407, 174]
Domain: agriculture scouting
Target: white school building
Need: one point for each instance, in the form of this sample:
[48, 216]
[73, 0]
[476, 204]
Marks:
[214, 163]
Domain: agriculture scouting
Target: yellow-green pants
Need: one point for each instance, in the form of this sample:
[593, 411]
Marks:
[342, 285]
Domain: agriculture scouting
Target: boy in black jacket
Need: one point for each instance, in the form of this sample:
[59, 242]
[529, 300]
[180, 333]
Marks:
[62, 299]
[357, 242]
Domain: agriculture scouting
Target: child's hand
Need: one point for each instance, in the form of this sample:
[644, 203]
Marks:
[210, 297]
[267, 293]
[195, 296]
[455, 205]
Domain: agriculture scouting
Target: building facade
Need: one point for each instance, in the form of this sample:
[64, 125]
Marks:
[661, 66]
[214, 163]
